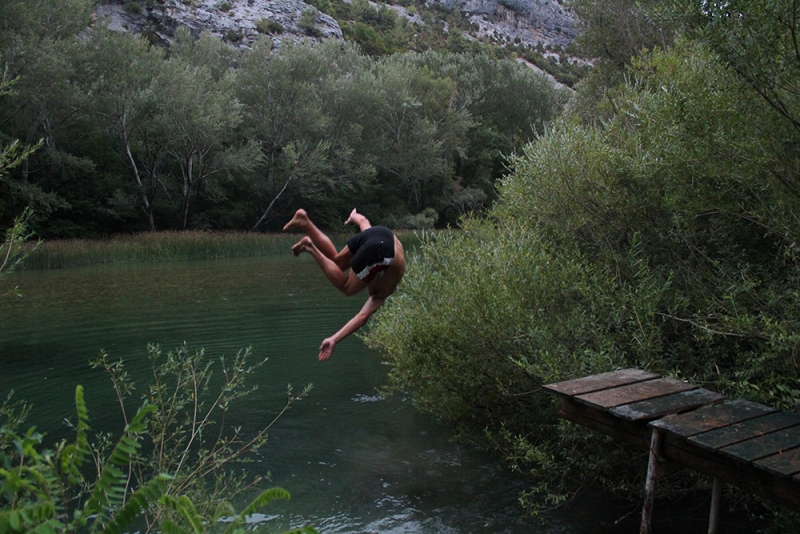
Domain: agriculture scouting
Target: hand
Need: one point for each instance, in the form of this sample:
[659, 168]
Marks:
[326, 349]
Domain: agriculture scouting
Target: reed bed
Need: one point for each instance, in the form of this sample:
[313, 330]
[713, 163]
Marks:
[156, 247]
[167, 246]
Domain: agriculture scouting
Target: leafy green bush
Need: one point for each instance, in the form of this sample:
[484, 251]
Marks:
[131, 6]
[662, 238]
[268, 26]
[308, 21]
[421, 221]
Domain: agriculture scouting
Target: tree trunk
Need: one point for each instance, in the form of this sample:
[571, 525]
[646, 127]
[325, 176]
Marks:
[187, 190]
[148, 208]
[263, 217]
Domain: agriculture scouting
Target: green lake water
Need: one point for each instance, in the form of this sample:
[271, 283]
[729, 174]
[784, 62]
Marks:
[353, 461]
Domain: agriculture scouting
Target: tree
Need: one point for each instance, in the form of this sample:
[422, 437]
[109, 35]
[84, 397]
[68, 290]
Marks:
[293, 103]
[759, 40]
[184, 407]
[421, 124]
[123, 68]
[11, 254]
[615, 31]
[510, 105]
[308, 20]
[196, 120]
[38, 48]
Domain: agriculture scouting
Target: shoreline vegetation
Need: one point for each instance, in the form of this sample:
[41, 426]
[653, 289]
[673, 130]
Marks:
[151, 247]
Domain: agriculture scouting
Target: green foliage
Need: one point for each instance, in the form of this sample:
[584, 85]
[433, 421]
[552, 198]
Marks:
[615, 31]
[51, 491]
[662, 238]
[208, 137]
[269, 26]
[308, 21]
[45, 490]
[185, 408]
[421, 221]
[197, 120]
[758, 40]
[132, 6]
[12, 253]
[565, 71]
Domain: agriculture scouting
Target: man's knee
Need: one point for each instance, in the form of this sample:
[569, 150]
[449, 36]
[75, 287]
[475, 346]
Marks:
[342, 259]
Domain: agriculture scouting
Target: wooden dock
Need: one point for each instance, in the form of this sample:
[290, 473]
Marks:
[749, 445]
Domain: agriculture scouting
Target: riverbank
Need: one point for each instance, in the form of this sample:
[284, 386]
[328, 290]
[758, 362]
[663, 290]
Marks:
[165, 246]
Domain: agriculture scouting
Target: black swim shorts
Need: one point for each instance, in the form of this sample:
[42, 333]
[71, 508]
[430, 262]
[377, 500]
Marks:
[373, 252]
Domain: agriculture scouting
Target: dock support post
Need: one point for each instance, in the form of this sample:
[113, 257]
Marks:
[716, 501]
[650, 484]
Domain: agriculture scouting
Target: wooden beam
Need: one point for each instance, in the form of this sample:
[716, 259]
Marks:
[632, 433]
[650, 484]
[782, 490]
[716, 501]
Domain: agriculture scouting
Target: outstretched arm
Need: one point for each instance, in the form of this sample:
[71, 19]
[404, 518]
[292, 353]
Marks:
[370, 307]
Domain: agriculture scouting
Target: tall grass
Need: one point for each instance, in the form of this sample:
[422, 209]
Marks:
[157, 247]
[165, 246]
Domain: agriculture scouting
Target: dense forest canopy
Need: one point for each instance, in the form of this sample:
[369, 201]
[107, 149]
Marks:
[137, 137]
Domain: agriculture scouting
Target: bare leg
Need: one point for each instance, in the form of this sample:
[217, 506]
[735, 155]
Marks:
[320, 240]
[359, 220]
[347, 284]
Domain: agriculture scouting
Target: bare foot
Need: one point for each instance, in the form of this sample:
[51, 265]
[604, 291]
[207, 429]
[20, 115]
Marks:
[358, 219]
[300, 220]
[350, 218]
[302, 246]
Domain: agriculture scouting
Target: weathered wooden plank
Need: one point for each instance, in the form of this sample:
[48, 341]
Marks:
[749, 433]
[766, 445]
[579, 386]
[669, 404]
[722, 437]
[784, 464]
[635, 434]
[711, 417]
[745, 476]
[611, 398]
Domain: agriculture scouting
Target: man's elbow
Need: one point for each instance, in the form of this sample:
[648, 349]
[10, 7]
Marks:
[362, 318]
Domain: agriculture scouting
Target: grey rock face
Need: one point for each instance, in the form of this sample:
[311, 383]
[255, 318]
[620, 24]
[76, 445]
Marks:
[232, 20]
[531, 21]
[523, 21]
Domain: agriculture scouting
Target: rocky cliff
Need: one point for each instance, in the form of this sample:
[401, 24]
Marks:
[239, 21]
[235, 21]
[531, 21]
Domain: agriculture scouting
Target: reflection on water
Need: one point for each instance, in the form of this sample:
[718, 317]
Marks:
[353, 461]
